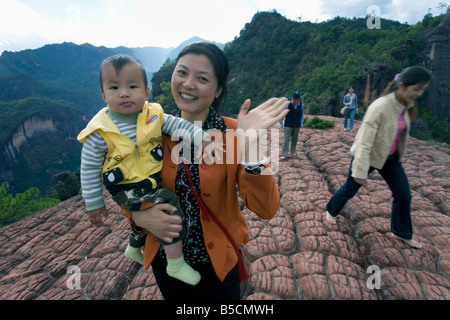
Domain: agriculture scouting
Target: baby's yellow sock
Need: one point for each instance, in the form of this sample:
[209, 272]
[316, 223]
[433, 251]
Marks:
[134, 254]
[179, 269]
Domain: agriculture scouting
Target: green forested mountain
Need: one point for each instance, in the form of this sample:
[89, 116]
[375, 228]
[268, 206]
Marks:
[38, 141]
[274, 56]
[65, 65]
[48, 94]
[22, 86]
[75, 67]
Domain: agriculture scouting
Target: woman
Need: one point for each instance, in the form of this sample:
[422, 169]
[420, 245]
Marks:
[379, 144]
[351, 108]
[198, 87]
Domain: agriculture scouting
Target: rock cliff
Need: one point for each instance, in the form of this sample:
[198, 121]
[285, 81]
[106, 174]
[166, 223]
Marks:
[30, 128]
[431, 52]
[298, 255]
[437, 47]
[39, 144]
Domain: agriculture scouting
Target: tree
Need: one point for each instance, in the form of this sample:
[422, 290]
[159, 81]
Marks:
[165, 99]
[274, 56]
[14, 208]
[442, 6]
[64, 185]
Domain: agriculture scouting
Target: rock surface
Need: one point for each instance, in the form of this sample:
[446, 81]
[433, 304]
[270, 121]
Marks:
[57, 254]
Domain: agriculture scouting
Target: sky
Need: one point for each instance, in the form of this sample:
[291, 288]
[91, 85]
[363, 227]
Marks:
[29, 24]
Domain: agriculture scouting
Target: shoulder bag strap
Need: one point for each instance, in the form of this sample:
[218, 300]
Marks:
[208, 213]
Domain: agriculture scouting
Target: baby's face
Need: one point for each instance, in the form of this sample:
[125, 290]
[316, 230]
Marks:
[125, 91]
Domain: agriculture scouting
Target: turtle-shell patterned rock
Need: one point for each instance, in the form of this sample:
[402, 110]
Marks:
[56, 254]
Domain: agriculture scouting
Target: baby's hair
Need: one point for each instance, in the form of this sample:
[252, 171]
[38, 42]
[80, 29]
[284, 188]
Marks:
[120, 60]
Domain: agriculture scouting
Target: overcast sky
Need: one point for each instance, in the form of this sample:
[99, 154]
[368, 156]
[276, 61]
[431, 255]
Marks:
[28, 24]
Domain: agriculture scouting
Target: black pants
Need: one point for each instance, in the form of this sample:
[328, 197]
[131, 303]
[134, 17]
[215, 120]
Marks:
[395, 177]
[209, 288]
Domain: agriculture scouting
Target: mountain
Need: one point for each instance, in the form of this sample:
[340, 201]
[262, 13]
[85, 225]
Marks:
[47, 96]
[38, 140]
[22, 85]
[65, 65]
[174, 53]
[57, 254]
[76, 66]
[274, 56]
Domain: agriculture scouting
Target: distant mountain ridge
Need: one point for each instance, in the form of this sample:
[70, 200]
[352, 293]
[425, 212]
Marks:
[69, 64]
[273, 56]
[54, 87]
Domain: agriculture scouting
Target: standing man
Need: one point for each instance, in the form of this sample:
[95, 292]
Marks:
[351, 108]
[292, 124]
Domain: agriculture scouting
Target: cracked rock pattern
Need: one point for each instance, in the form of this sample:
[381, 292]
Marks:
[56, 254]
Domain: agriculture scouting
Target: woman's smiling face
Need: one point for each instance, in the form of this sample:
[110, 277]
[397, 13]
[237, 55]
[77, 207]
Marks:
[194, 86]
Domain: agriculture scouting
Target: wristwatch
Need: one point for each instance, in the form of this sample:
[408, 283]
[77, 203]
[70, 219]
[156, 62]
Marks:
[255, 170]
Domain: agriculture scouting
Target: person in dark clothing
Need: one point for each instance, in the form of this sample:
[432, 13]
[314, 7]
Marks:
[292, 123]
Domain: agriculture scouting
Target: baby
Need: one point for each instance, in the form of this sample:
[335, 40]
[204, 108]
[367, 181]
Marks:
[122, 149]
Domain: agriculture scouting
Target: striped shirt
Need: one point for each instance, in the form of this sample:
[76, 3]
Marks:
[95, 149]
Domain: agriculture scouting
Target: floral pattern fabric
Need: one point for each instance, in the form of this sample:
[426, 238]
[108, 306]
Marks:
[194, 249]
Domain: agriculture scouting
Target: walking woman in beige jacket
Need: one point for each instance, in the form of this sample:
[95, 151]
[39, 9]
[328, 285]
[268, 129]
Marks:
[380, 144]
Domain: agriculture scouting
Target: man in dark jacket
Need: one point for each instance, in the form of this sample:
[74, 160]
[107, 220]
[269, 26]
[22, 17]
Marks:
[292, 123]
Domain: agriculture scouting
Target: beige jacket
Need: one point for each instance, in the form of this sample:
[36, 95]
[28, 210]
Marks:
[377, 134]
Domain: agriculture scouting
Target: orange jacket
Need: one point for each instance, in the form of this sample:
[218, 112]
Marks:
[219, 192]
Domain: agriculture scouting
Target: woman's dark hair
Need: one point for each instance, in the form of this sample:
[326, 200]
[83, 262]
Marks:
[120, 60]
[409, 76]
[219, 61]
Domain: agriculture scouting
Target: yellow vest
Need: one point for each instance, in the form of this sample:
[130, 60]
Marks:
[136, 162]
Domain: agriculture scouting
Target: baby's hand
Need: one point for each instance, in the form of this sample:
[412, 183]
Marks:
[95, 216]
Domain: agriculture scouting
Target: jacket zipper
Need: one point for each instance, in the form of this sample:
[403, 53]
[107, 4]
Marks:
[138, 158]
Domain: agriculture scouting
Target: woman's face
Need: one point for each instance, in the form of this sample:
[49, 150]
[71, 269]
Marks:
[410, 93]
[194, 86]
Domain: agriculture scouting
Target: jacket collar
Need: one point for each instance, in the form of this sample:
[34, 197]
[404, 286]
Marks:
[100, 121]
[399, 108]
[214, 121]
